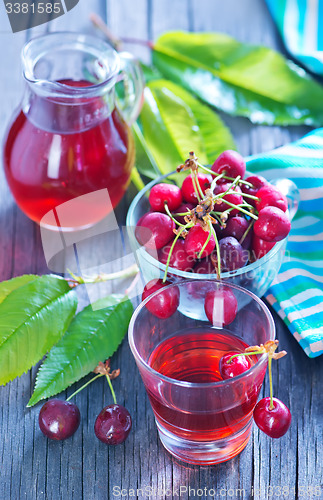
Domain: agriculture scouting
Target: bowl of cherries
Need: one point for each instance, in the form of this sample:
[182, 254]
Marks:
[212, 222]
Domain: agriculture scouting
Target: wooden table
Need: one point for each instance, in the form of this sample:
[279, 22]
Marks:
[32, 467]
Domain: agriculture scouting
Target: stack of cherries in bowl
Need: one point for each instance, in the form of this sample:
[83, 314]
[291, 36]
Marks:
[218, 221]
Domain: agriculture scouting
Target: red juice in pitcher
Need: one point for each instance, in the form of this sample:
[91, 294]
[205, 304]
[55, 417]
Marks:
[45, 168]
[72, 136]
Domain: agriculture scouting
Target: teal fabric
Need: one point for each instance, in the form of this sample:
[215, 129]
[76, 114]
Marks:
[300, 23]
[297, 292]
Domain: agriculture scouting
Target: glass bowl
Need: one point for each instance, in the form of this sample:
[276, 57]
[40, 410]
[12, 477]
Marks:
[256, 277]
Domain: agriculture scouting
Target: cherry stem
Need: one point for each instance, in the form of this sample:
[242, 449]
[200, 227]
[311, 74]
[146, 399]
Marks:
[172, 248]
[204, 246]
[83, 386]
[243, 237]
[241, 181]
[251, 196]
[195, 186]
[111, 389]
[100, 278]
[241, 209]
[172, 217]
[217, 250]
[271, 406]
[244, 354]
[198, 184]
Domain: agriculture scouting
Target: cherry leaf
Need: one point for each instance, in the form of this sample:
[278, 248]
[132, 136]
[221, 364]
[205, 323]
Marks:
[35, 311]
[240, 79]
[93, 336]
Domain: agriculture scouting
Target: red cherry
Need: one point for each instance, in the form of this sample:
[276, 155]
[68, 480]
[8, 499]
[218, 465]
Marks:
[221, 306]
[161, 193]
[257, 182]
[184, 207]
[188, 191]
[235, 367]
[113, 424]
[270, 196]
[195, 240]
[154, 230]
[165, 303]
[276, 422]
[260, 247]
[236, 227]
[179, 258]
[272, 224]
[234, 198]
[231, 163]
[59, 419]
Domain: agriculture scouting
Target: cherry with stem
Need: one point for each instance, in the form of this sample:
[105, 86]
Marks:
[270, 414]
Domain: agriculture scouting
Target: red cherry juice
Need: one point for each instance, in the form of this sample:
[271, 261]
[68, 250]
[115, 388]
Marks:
[45, 168]
[209, 414]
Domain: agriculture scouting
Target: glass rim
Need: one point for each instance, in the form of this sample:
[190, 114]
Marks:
[58, 40]
[196, 385]
[131, 224]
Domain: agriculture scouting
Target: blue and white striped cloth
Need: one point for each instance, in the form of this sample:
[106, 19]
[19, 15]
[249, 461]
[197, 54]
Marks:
[300, 23]
[297, 292]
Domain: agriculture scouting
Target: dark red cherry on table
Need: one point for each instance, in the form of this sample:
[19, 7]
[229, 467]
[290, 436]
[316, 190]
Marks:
[231, 163]
[165, 193]
[272, 224]
[59, 419]
[165, 303]
[179, 259]
[221, 306]
[260, 247]
[154, 230]
[188, 190]
[270, 196]
[113, 424]
[195, 240]
[235, 367]
[273, 422]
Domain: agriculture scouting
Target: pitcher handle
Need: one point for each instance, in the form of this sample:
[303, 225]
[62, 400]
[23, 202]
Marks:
[130, 92]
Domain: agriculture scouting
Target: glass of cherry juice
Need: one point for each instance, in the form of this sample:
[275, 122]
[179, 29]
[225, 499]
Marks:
[71, 135]
[201, 417]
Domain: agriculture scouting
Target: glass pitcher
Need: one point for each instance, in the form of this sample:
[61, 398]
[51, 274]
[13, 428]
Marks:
[71, 135]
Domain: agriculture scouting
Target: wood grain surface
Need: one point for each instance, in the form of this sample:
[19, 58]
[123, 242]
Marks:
[34, 468]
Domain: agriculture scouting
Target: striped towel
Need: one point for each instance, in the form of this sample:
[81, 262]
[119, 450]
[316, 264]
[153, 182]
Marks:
[300, 23]
[297, 292]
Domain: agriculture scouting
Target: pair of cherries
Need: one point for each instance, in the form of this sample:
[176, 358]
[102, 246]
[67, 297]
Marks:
[59, 420]
[270, 414]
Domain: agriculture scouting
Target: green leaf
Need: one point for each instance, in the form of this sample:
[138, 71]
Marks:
[240, 79]
[35, 311]
[93, 336]
[175, 123]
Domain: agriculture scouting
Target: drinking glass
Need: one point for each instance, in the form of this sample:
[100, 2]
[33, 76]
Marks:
[201, 418]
